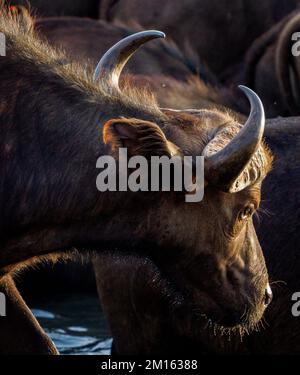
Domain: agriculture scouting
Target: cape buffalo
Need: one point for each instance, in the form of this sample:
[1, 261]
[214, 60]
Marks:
[259, 55]
[277, 227]
[162, 67]
[195, 94]
[84, 40]
[52, 118]
[137, 301]
[158, 66]
[219, 32]
[269, 67]
[272, 67]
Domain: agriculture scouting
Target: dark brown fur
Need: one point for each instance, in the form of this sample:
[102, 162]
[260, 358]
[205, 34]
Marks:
[149, 321]
[268, 66]
[281, 335]
[52, 118]
[86, 40]
[219, 32]
[43, 8]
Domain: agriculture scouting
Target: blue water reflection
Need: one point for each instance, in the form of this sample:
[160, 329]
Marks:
[75, 323]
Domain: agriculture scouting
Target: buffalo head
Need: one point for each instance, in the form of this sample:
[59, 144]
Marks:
[207, 251]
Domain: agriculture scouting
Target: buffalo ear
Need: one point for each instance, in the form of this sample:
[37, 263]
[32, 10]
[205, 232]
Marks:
[139, 137]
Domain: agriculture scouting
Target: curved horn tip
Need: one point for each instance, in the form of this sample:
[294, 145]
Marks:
[257, 108]
[252, 96]
[226, 165]
[116, 57]
[157, 33]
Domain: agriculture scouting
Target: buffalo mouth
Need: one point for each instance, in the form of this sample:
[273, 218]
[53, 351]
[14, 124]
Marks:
[154, 292]
[225, 323]
[208, 309]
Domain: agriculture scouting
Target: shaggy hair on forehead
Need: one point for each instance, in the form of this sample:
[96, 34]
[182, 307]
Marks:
[24, 43]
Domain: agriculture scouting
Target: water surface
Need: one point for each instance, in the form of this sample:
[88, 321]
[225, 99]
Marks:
[75, 323]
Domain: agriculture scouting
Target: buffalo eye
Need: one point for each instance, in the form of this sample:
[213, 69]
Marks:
[246, 212]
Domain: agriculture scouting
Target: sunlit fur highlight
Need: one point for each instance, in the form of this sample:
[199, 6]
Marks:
[23, 42]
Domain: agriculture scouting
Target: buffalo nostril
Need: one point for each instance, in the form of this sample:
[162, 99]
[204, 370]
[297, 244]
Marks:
[268, 295]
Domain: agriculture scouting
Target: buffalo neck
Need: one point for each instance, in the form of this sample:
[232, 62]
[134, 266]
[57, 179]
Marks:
[51, 132]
